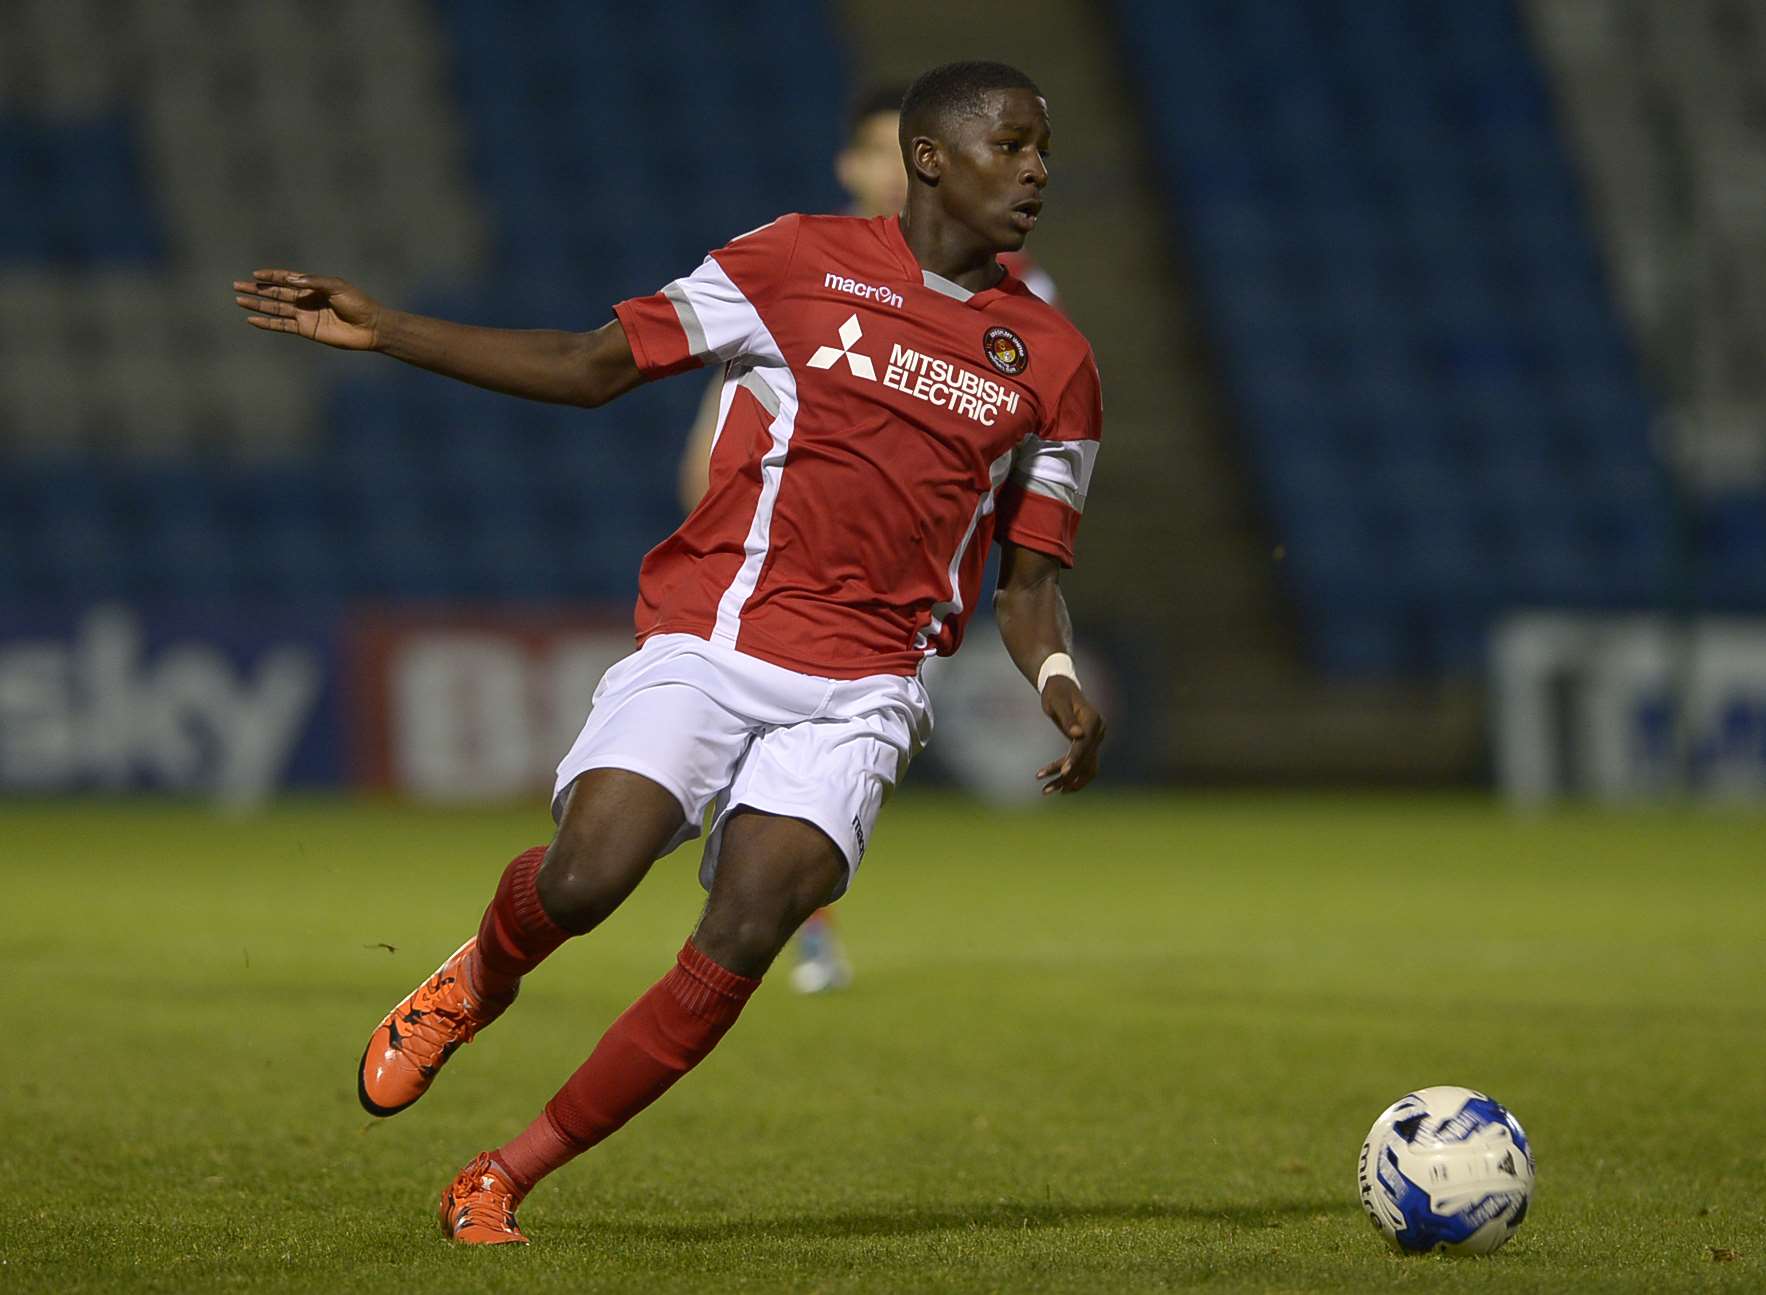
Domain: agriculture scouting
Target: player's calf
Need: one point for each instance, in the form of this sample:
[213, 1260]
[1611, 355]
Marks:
[773, 872]
[517, 931]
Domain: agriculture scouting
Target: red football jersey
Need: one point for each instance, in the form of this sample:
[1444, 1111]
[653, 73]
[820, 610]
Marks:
[877, 424]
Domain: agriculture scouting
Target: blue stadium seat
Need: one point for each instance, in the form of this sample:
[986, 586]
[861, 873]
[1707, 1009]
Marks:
[1362, 643]
[1439, 553]
[75, 194]
[1731, 556]
[1457, 637]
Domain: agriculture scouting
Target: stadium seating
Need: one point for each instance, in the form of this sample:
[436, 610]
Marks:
[1442, 408]
[1667, 108]
[1421, 305]
[519, 165]
[74, 195]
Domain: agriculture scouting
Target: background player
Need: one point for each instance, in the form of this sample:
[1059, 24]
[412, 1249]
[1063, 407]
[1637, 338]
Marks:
[869, 168]
[853, 493]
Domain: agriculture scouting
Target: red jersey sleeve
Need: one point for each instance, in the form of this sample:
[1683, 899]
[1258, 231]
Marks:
[713, 315]
[1043, 498]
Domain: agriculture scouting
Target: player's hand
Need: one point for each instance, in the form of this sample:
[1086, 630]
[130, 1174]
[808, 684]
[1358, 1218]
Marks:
[1079, 721]
[320, 309]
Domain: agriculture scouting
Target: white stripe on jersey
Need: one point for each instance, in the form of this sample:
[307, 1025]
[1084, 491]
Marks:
[740, 373]
[996, 473]
[718, 321]
[757, 386]
[726, 396]
[1060, 470]
[757, 347]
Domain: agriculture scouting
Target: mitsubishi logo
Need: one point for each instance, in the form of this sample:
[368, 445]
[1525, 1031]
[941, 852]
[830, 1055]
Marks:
[825, 356]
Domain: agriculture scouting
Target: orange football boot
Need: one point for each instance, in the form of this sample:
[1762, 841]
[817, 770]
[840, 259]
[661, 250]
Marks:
[408, 1049]
[478, 1207]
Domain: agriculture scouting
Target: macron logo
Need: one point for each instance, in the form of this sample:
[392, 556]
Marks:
[870, 292]
[827, 356]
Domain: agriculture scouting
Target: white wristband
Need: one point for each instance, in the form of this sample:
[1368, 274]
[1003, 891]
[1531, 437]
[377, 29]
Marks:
[1058, 663]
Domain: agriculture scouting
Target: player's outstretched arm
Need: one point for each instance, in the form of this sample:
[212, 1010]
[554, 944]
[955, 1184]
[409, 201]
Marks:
[1034, 624]
[538, 364]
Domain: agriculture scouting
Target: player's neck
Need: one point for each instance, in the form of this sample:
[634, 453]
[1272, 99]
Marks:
[950, 251]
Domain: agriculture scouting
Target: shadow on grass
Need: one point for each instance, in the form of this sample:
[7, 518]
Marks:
[912, 1220]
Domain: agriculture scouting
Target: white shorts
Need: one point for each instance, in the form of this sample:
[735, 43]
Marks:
[719, 728]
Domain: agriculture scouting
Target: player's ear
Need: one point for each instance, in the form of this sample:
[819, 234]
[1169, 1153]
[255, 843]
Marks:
[925, 159]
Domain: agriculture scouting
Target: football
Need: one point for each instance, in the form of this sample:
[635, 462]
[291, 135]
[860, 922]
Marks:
[1446, 1169]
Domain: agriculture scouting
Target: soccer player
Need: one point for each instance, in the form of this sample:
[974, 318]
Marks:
[893, 401]
[870, 168]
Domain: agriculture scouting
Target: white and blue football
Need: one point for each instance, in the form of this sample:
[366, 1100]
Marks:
[1446, 1169]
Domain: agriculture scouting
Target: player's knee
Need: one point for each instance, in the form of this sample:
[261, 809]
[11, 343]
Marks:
[614, 826]
[743, 938]
[583, 879]
[753, 913]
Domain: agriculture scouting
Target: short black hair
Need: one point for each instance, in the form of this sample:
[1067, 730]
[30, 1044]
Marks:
[885, 96]
[953, 90]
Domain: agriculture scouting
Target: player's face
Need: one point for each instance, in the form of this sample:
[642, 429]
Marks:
[869, 167]
[997, 165]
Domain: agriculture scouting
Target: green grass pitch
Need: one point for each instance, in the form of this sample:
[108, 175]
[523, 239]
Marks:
[1118, 1043]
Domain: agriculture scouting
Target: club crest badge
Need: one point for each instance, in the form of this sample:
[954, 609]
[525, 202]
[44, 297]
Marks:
[1005, 350]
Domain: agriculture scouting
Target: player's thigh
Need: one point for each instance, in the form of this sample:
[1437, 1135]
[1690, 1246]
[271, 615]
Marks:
[613, 803]
[660, 715]
[615, 824]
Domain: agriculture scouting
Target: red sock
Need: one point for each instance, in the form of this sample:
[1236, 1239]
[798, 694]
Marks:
[662, 1036]
[515, 935]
